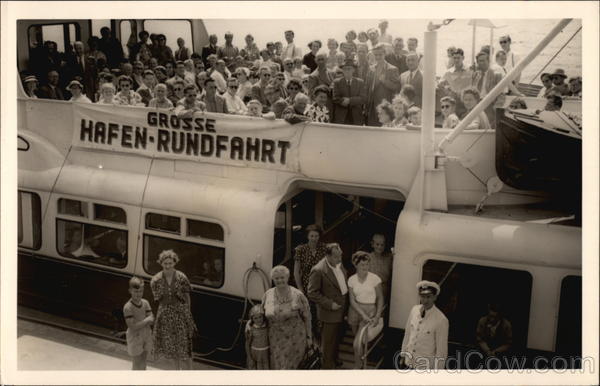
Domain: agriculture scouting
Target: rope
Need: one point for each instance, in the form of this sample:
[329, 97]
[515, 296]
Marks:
[551, 59]
[55, 182]
[247, 300]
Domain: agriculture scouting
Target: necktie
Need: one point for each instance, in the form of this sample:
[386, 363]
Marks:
[422, 312]
[410, 78]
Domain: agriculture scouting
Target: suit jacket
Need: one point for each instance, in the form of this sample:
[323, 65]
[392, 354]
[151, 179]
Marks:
[206, 51]
[357, 93]
[416, 82]
[323, 289]
[377, 90]
[325, 78]
[399, 62]
[221, 105]
[484, 83]
[258, 93]
[47, 92]
[317, 78]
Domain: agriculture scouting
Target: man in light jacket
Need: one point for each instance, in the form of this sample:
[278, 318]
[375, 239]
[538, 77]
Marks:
[425, 344]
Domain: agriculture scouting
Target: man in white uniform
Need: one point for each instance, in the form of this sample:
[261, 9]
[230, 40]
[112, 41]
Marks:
[425, 344]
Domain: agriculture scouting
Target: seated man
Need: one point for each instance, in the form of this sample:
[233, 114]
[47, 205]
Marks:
[187, 106]
[295, 113]
[494, 332]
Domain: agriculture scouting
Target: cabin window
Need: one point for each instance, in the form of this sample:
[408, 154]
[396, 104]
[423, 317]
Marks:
[568, 333]
[29, 220]
[163, 223]
[92, 243]
[466, 291]
[203, 229]
[109, 213]
[61, 34]
[202, 264]
[98, 24]
[72, 207]
[172, 29]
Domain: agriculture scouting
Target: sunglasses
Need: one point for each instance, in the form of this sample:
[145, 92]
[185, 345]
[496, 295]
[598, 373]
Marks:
[445, 106]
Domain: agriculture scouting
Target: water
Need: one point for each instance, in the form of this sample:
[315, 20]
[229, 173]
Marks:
[525, 35]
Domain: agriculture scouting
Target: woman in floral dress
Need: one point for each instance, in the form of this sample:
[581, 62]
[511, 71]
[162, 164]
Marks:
[318, 111]
[288, 313]
[174, 326]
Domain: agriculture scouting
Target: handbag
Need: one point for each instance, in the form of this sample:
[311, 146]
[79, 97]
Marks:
[312, 359]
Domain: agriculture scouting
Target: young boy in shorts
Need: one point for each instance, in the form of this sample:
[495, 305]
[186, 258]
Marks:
[139, 318]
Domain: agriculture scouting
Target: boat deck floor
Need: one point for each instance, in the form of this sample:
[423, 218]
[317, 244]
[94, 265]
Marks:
[538, 213]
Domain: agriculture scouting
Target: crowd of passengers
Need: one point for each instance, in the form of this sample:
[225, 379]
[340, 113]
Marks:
[367, 79]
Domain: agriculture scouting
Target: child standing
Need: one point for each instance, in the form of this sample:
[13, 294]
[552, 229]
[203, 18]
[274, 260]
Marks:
[139, 318]
[257, 340]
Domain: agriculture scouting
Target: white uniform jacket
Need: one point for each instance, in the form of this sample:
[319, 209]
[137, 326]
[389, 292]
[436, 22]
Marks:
[425, 343]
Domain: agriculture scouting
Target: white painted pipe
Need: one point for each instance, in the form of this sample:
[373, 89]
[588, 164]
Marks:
[493, 94]
[429, 84]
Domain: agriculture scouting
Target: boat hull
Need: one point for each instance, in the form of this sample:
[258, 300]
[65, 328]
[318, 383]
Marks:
[529, 157]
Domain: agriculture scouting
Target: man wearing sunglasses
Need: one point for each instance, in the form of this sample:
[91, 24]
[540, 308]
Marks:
[258, 90]
[235, 105]
[511, 58]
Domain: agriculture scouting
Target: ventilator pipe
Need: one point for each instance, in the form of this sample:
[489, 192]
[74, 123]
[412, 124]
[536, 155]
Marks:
[429, 85]
[493, 94]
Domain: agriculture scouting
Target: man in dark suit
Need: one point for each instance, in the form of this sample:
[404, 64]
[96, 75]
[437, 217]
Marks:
[414, 77]
[327, 288]
[51, 90]
[210, 49]
[383, 82]
[349, 96]
[485, 79]
[398, 58]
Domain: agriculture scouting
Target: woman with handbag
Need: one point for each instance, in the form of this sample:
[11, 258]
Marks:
[289, 319]
[366, 302]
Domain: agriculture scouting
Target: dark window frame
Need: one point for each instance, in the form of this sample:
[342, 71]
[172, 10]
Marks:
[66, 32]
[191, 30]
[187, 230]
[95, 217]
[83, 215]
[36, 245]
[183, 240]
[57, 219]
[146, 227]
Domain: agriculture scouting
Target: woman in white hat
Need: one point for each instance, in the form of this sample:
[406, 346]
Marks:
[76, 90]
[31, 84]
